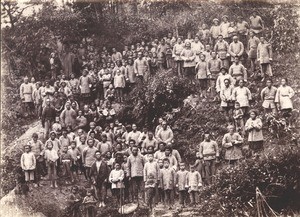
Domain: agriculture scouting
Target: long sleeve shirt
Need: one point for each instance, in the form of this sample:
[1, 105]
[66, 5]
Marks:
[201, 70]
[194, 180]
[28, 161]
[135, 165]
[88, 156]
[209, 150]
[283, 97]
[220, 81]
[151, 174]
[232, 144]
[236, 49]
[181, 179]
[254, 127]
[141, 66]
[242, 95]
[165, 135]
[167, 177]
[188, 56]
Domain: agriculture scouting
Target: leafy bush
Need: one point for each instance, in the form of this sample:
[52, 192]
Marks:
[277, 176]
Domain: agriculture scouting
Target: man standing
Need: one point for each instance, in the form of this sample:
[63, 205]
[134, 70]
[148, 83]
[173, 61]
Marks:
[188, 56]
[68, 116]
[236, 48]
[165, 134]
[26, 91]
[48, 117]
[177, 49]
[141, 67]
[99, 174]
[135, 166]
[221, 47]
[268, 97]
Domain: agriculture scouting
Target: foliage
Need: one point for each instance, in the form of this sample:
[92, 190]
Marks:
[162, 93]
[276, 175]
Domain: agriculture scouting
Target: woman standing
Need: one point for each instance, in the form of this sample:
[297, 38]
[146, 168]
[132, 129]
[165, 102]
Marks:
[254, 127]
[232, 142]
[283, 99]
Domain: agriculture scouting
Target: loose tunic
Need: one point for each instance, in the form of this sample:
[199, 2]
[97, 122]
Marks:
[84, 84]
[194, 180]
[188, 56]
[254, 127]
[226, 95]
[181, 179]
[88, 156]
[252, 47]
[177, 49]
[129, 74]
[167, 178]
[68, 118]
[283, 97]
[214, 66]
[135, 165]
[116, 175]
[238, 72]
[236, 49]
[224, 29]
[268, 97]
[242, 95]
[26, 91]
[264, 53]
[233, 151]
[256, 24]
[201, 69]
[221, 48]
[220, 81]
[151, 174]
[215, 31]
[197, 48]
[209, 150]
[28, 161]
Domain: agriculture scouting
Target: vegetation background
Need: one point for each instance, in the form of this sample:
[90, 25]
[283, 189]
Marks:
[115, 24]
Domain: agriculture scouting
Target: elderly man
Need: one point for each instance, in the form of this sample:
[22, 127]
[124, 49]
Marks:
[236, 48]
[26, 90]
[188, 56]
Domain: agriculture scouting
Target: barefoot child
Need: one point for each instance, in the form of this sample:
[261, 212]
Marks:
[238, 115]
[194, 182]
[75, 154]
[66, 161]
[116, 178]
[181, 177]
[28, 164]
[151, 176]
[51, 156]
[167, 180]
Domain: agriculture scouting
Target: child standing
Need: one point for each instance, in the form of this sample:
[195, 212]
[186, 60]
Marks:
[181, 178]
[116, 178]
[160, 189]
[88, 157]
[109, 93]
[202, 75]
[89, 203]
[28, 164]
[66, 161]
[75, 154]
[85, 83]
[119, 83]
[238, 115]
[194, 182]
[167, 181]
[151, 176]
[51, 156]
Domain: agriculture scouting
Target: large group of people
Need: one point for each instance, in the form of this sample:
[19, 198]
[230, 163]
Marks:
[75, 94]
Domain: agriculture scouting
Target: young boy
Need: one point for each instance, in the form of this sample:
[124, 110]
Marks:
[51, 157]
[160, 189]
[119, 84]
[238, 115]
[75, 154]
[194, 182]
[89, 203]
[110, 93]
[167, 178]
[181, 178]
[88, 157]
[151, 176]
[66, 161]
[116, 178]
[28, 164]
[202, 75]
[56, 127]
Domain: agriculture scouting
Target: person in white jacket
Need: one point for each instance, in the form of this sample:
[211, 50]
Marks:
[28, 164]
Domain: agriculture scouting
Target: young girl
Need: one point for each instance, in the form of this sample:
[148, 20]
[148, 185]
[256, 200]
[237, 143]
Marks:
[167, 181]
[181, 177]
[119, 83]
[194, 182]
[202, 75]
[254, 127]
[28, 164]
[51, 157]
[116, 178]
